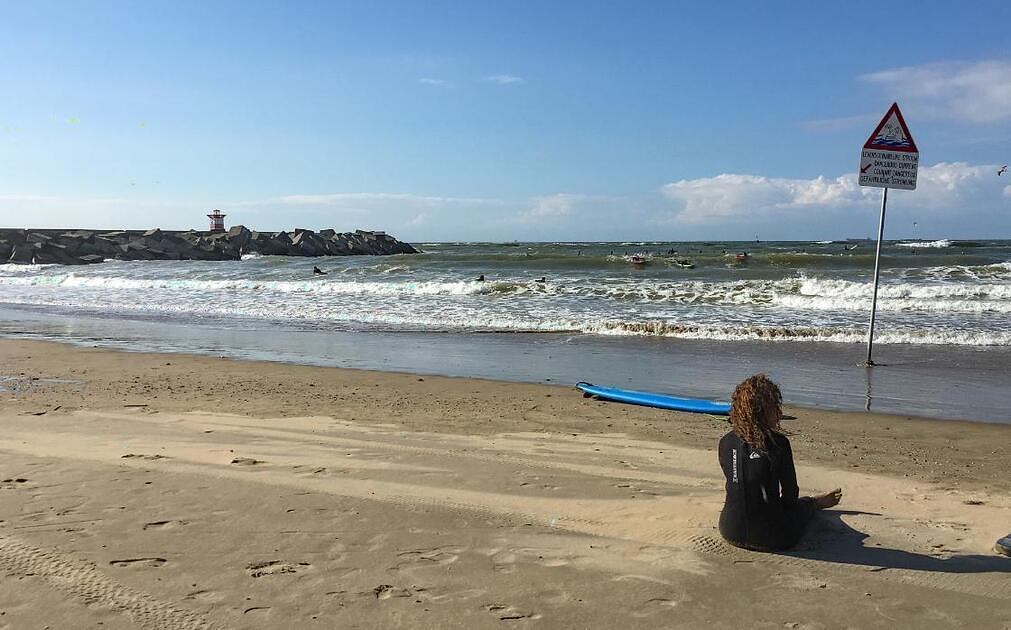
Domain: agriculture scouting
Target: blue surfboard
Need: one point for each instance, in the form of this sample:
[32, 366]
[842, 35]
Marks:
[661, 401]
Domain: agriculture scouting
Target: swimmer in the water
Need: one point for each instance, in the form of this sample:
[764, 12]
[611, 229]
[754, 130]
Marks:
[542, 280]
[480, 278]
[316, 271]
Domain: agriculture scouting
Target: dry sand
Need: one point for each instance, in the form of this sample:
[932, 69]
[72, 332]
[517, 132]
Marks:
[168, 491]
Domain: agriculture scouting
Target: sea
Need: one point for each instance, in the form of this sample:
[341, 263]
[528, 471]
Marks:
[688, 318]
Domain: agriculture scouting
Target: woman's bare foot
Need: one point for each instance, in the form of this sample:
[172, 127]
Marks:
[829, 499]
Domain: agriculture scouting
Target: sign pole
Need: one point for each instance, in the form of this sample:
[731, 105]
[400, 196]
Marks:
[889, 159]
[877, 271]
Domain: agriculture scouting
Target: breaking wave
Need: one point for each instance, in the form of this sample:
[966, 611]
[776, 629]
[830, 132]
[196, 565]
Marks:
[808, 293]
[926, 244]
[784, 292]
[800, 333]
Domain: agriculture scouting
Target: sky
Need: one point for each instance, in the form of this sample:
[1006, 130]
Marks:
[501, 121]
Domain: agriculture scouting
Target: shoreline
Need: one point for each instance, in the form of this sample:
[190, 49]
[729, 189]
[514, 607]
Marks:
[193, 492]
[915, 381]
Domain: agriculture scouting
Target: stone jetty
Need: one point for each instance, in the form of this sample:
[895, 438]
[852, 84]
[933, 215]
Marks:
[82, 247]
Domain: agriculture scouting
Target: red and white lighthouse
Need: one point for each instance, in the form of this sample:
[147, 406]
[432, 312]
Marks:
[217, 221]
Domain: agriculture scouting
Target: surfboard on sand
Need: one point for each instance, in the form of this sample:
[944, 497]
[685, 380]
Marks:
[660, 401]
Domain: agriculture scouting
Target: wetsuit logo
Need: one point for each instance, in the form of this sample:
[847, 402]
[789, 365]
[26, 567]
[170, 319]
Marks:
[734, 465]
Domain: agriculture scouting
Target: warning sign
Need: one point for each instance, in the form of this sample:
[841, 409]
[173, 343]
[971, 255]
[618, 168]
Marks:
[890, 158]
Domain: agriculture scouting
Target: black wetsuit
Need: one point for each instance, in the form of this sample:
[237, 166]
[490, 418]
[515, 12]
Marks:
[762, 510]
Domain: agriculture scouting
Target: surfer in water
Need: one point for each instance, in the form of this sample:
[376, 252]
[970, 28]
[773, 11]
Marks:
[480, 278]
[316, 271]
[763, 510]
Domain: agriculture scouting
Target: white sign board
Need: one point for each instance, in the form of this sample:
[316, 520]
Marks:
[890, 158]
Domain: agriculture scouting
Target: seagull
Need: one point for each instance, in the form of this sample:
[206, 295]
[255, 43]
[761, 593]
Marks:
[1002, 170]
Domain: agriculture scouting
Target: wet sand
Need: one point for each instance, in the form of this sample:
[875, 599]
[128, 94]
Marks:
[947, 382]
[179, 491]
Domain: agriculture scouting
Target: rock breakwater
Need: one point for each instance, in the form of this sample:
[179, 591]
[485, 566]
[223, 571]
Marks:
[82, 247]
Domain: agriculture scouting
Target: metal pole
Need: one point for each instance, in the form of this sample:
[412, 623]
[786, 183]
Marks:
[877, 271]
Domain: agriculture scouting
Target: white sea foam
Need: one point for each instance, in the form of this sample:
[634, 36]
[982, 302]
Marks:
[319, 286]
[961, 272]
[926, 244]
[806, 334]
[22, 269]
[813, 293]
[949, 304]
[464, 319]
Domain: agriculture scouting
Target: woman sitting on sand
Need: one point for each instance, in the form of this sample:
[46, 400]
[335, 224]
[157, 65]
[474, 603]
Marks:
[763, 511]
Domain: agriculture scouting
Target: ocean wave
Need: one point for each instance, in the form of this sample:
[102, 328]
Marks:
[824, 287]
[351, 316]
[318, 285]
[962, 272]
[22, 269]
[811, 293]
[475, 321]
[927, 244]
[893, 305]
[801, 333]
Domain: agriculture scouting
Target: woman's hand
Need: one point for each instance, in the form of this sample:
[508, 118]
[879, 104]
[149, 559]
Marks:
[829, 499]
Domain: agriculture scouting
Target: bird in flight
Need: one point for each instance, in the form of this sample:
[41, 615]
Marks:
[1002, 170]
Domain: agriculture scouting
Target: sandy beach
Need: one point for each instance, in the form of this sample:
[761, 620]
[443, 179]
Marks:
[178, 491]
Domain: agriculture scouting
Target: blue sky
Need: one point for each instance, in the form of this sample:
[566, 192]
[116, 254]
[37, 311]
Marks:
[502, 121]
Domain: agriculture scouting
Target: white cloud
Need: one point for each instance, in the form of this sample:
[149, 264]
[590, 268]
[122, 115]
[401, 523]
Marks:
[505, 79]
[715, 199]
[436, 82]
[954, 199]
[563, 208]
[560, 204]
[372, 198]
[954, 184]
[405, 215]
[338, 210]
[977, 92]
[722, 199]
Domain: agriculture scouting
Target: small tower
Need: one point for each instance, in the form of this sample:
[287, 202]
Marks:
[217, 221]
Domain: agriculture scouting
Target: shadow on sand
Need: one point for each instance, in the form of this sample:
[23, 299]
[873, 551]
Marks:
[830, 539]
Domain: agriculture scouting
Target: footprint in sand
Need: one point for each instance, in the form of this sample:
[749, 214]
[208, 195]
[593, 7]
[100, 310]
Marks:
[131, 562]
[653, 606]
[204, 596]
[435, 556]
[503, 561]
[275, 567]
[386, 591]
[510, 613]
[246, 461]
[543, 556]
[164, 524]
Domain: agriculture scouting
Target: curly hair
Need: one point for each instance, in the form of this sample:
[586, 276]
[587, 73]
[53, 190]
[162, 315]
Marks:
[750, 409]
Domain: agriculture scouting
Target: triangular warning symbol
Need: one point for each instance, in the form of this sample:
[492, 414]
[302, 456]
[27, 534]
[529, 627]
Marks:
[892, 134]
